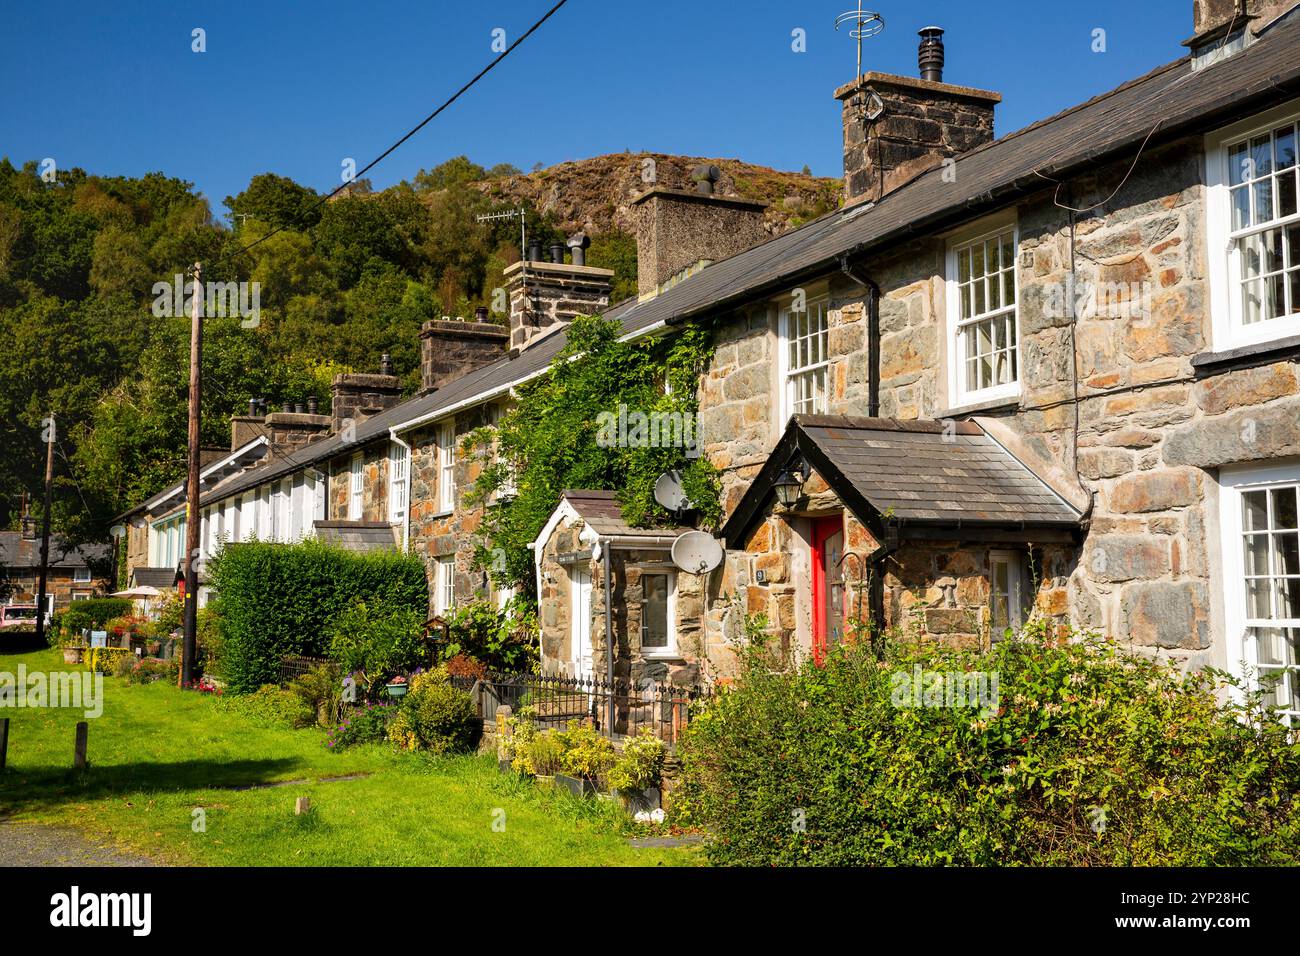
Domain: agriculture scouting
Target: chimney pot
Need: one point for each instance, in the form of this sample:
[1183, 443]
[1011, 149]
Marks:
[481, 313]
[286, 407]
[704, 176]
[252, 408]
[929, 54]
[298, 408]
[312, 404]
[578, 244]
[557, 252]
[385, 364]
[534, 250]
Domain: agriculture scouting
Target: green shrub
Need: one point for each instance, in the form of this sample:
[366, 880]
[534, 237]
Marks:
[434, 716]
[364, 725]
[641, 763]
[146, 670]
[541, 754]
[276, 600]
[1091, 757]
[321, 689]
[272, 704]
[375, 643]
[93, 614]
[503, 639]
[586, 753]
[210, 638]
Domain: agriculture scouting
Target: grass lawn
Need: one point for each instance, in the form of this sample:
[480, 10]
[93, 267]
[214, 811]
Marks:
[157, 754]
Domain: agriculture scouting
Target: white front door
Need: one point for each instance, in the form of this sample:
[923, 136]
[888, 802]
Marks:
[580, 623]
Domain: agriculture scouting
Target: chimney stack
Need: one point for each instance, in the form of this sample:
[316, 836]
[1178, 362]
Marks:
[679, 231]
[545, 295]
[897, 127]
[357, 396]
[452, 348]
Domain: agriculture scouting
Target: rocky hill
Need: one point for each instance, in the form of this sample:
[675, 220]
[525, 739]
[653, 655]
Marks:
[596, 194]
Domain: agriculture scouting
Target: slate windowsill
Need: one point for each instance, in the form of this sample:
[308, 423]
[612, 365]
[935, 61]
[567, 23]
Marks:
[1246, 356]
[976, 408]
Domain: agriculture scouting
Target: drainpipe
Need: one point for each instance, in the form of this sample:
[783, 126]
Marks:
[410, 463]
[876, 561]
[609, 636]
[873, 335]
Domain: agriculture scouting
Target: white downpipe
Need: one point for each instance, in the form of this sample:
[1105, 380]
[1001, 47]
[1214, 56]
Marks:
[410, 466]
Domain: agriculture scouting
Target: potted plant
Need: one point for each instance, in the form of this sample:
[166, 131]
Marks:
[73, 650]
[587, 758]
[635, 776]
[397, 687]
[543, 756]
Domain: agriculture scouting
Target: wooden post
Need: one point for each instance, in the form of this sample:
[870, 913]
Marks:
[49, 434]
[302, 805]
[189, 644]
[4, 740]
[79, 757]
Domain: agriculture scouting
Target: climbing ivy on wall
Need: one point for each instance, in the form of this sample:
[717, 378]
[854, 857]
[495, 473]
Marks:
[609, 415]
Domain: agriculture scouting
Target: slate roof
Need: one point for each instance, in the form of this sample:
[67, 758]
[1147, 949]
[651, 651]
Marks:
[359, 536]
[1168, 102]
[603, 513]
[19, 552]
[160, 578]
[917, 473]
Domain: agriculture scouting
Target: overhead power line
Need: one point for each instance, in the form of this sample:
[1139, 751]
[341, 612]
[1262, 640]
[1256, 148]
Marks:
[409, 133]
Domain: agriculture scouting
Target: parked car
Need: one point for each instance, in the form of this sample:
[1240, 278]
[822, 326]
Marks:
[18, 617]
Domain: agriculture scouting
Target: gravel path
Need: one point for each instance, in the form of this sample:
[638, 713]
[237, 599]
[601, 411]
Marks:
[34, 844]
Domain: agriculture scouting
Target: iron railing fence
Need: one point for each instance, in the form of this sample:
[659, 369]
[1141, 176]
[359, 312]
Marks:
[617, 709]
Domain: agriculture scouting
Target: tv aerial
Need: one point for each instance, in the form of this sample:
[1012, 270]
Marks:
[696, 552]
[866, 24]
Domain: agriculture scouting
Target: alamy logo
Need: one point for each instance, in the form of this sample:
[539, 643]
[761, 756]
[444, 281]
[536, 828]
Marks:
[637, 429]
[920, 688]
[73, 689]
[175, 300]
[72, 909]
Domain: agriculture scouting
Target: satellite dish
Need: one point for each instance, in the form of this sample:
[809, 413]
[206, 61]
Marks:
[697, 552]
[669, 493]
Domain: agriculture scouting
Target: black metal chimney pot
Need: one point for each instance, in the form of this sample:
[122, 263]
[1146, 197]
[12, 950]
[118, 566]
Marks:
[929, 55]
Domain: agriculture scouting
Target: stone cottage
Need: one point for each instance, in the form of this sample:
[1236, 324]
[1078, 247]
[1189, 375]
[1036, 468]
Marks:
[1051, 374]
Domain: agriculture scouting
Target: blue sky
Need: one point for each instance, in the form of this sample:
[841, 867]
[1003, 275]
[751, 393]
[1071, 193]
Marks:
[295, 88]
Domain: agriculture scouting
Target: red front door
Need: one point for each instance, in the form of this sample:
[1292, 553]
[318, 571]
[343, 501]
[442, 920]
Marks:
[827, 589]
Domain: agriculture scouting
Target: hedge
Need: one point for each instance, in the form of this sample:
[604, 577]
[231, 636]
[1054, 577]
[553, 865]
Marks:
[1085, 756]
[275, 600]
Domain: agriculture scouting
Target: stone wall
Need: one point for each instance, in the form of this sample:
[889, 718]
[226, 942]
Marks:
[1152, 426]
[569, 548]
[435, 534]
[374, 485]
[58, 581]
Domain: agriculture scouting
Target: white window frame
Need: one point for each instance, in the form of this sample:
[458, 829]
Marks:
[447, 468]
[81, 576]
[1226, 309]
[1242, 651]
[816, 305]
[444, 591]
[1016, 583]
[957, 243]
[81, 596]
[399, 469]
[670, 649]
[356, 486]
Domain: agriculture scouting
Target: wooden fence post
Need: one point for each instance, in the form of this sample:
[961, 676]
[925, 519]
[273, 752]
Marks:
[4, 740]
[79, 757]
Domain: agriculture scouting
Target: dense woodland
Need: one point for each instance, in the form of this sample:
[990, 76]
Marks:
[341, 281]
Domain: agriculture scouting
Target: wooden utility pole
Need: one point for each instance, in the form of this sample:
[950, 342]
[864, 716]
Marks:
[48, 433]
[189, 644]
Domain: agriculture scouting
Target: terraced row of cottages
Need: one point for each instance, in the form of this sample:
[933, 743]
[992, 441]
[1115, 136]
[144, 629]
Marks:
[1053, 373]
